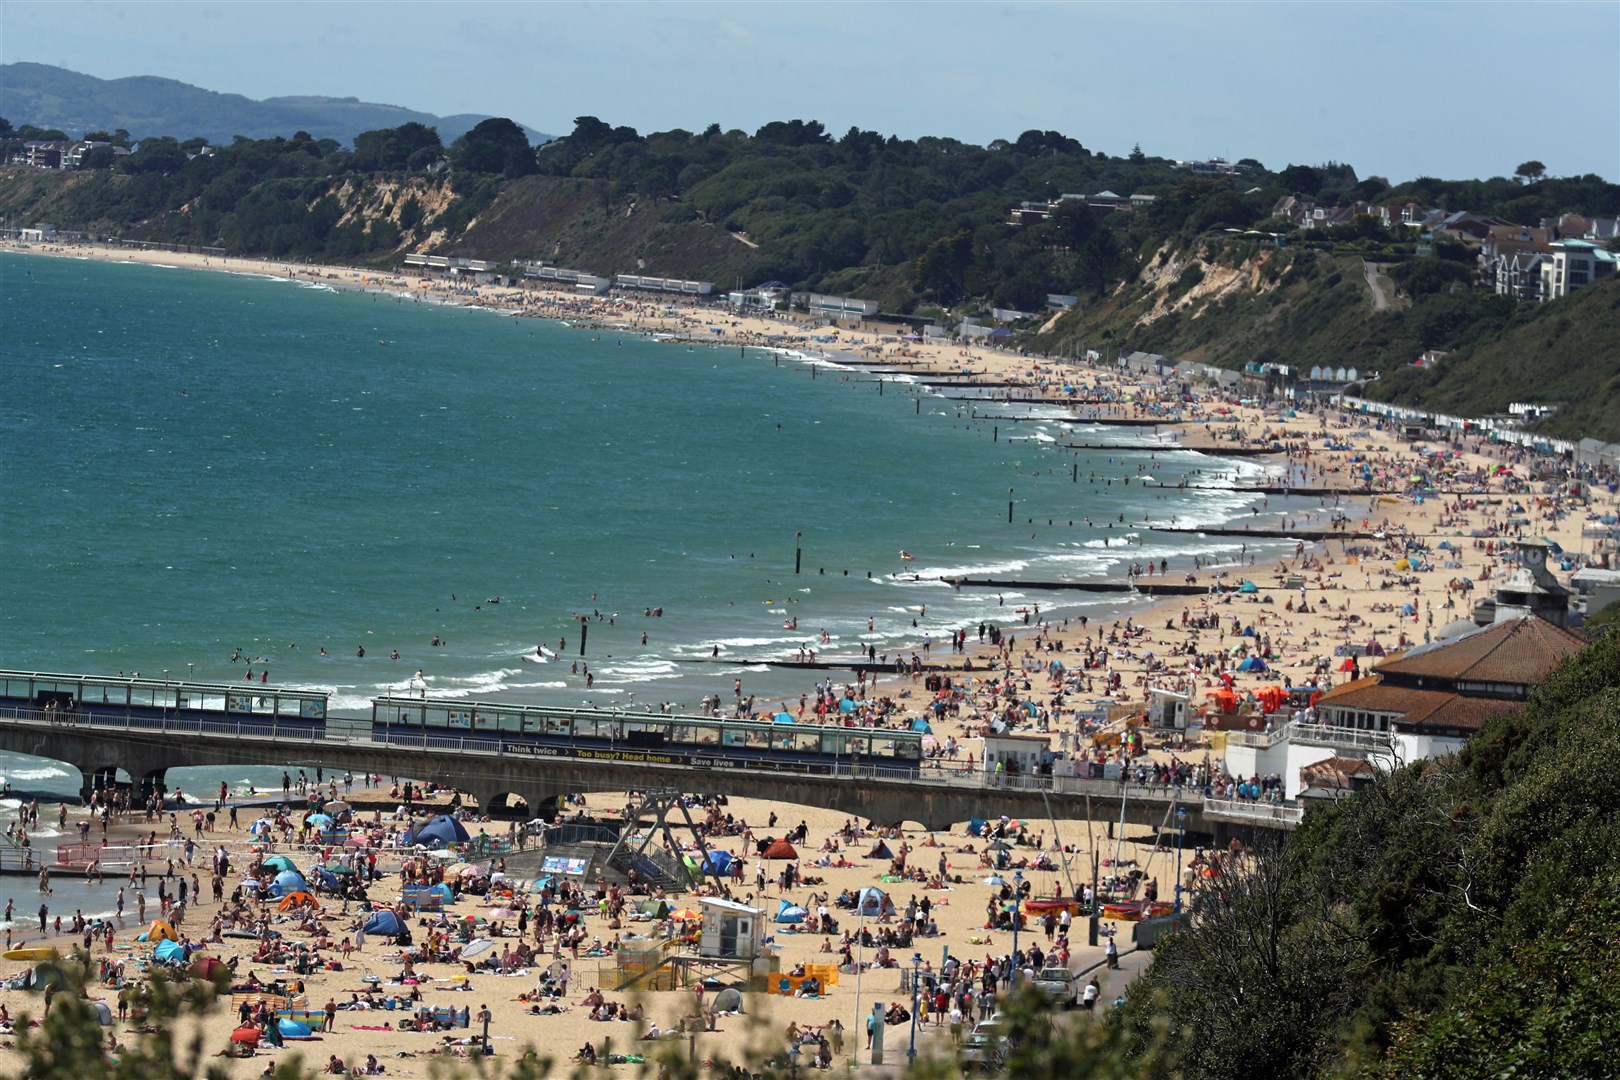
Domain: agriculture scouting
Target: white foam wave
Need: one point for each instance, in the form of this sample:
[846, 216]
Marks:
[41, 772]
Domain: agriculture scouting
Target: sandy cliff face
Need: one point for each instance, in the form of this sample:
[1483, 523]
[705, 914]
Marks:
[1192, 281]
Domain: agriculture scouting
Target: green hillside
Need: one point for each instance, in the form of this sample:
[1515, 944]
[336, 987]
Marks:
[144, 105]
[1566, 354]
[1192, 267]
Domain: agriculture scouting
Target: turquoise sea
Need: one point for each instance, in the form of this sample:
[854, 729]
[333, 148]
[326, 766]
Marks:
[196, 464]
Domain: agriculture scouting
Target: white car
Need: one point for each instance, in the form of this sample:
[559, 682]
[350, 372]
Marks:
[1057, 984]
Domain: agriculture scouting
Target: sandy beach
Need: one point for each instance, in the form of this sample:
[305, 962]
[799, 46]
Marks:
[1344, 590]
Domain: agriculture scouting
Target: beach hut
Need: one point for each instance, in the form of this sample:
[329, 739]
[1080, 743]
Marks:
[436, 833]
[872, 902]
[779, 849]
[790, 914]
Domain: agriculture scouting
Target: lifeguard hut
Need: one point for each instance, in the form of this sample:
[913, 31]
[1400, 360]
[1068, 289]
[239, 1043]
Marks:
[731, 931]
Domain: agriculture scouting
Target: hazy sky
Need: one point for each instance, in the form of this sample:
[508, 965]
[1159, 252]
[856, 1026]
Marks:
[1396, 89]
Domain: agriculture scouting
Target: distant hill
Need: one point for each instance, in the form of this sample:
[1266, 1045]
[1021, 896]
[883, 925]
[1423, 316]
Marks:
[145, 105]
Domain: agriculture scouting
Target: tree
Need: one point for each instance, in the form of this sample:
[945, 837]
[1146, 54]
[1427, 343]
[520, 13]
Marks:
[1300, 180]
[1530, 171]
[97, 157]
[1136, 157]
[496, 146]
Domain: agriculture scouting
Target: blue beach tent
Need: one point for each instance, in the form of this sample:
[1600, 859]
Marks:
[718, 862]
[790, 913]
[439, 832]
[169, 952]
[288, 881]
[383, 923]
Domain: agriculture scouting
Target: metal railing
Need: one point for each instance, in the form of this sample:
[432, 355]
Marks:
[1251, 810]
[1339, 736]
[69, 720]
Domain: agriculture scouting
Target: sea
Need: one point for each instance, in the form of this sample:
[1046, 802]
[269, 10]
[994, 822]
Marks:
[205, 473]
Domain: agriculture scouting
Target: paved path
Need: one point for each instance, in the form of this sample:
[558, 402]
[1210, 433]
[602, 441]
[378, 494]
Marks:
[1380, 301]
[936, 1040]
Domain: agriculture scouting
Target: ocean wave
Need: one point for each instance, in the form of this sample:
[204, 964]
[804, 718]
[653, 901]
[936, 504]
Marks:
[37, 773]
[985, 569]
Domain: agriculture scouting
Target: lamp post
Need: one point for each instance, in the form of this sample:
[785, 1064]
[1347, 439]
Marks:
[1018, 903]
[1181, 834]
[916, 970]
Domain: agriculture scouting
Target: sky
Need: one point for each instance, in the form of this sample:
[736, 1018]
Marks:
[1398, 90]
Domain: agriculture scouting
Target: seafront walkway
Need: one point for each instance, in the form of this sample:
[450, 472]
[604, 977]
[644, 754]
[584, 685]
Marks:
[940, 796]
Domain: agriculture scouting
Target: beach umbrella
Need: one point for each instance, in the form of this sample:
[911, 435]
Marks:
[1349, 664]
[476, 947]
[501, 913]
[685, 915]
[994, 879]
[319, 821]
[336, 806]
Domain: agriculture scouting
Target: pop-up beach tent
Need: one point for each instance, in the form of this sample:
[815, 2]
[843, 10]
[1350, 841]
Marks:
[790, 913]
[780, 849]
[871, 902]
[880, 850]
[383, 923]
[717, 862]
[169, 952]
[436, 833]
[288, 881]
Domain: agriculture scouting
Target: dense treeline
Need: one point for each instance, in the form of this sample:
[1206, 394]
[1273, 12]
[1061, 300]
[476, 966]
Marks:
[1454, 919]
[918, 225]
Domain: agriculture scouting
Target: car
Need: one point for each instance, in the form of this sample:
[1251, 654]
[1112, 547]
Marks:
[984, 1049]
[1058, 984]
